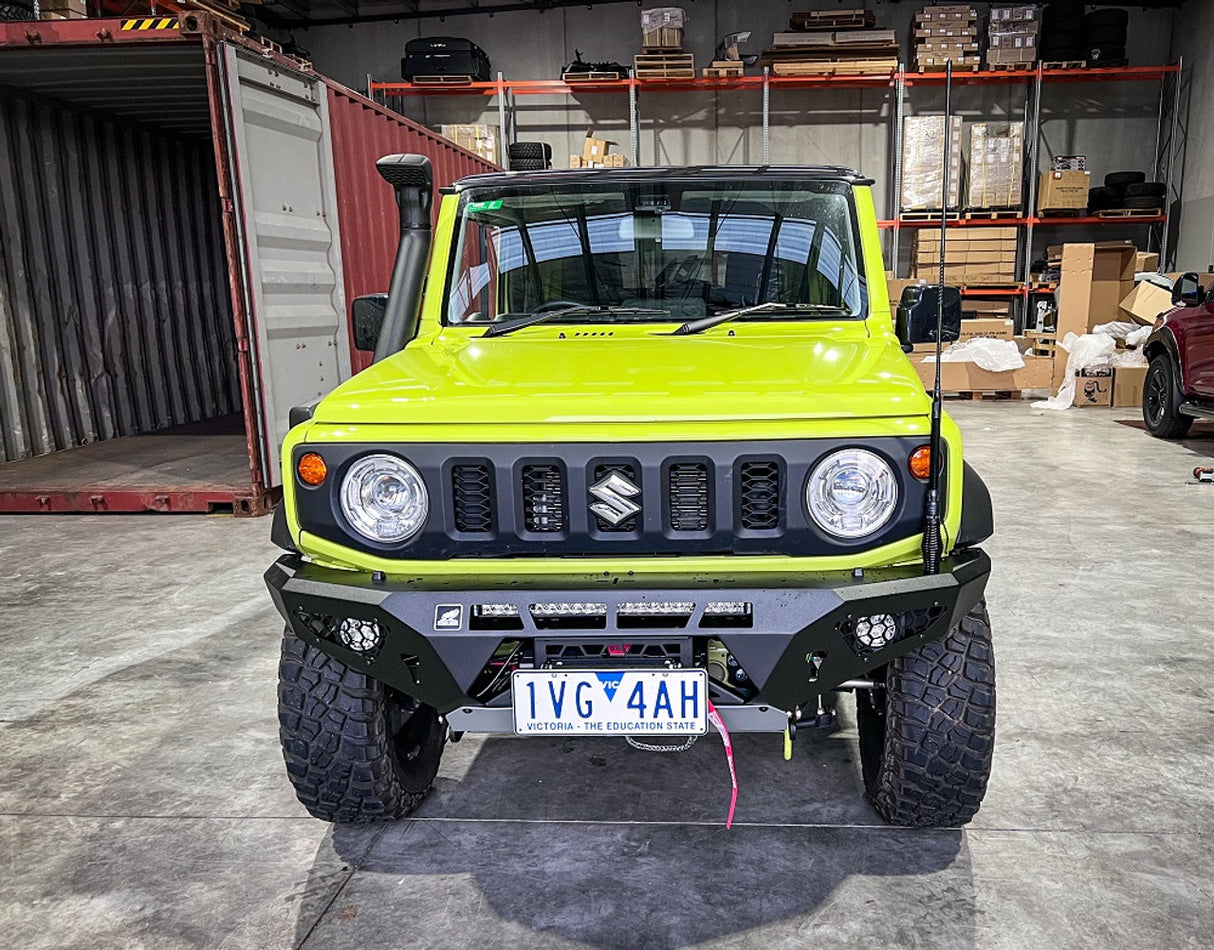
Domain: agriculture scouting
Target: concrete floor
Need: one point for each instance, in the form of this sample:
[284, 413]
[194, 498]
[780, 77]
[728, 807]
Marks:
[143, 801]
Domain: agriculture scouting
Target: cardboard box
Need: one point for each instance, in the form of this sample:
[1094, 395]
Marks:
[1095, 279]
[1145, 302]
[989, 329]
[1146, 262]
[594, 150]
[996, 164]
[614, 161]
[924, 147]
[575, 161]
[479, 139]
[1063, 191]
[970, 377]
[67, 9]
[1127, 386]
[1093, 391]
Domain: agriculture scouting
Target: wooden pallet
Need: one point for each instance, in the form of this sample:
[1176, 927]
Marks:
[1066, 64]
[992, 214]
[442, 80]
[926, 214]
[1062, 212]
[1043, 344]
[1011, 67]
[590, 76]
[840, 67]
[664, 65]
[978, 395]
[957, 68]
[724, 69]
[857, 19]
[1128, 213]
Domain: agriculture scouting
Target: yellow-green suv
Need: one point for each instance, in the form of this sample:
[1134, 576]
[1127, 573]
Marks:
[637, 445]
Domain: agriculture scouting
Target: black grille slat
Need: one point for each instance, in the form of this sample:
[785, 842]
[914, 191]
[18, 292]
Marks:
[760, 495]
[472, 494]
[687, 492]
[543, 498]
[630, 473]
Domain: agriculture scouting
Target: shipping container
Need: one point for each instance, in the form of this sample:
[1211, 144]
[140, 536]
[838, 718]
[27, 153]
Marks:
[186, 216]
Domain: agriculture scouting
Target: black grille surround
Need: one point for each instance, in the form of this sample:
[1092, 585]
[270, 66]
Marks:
[539, 504]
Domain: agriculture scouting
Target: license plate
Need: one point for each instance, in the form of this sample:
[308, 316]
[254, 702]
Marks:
[610, 702]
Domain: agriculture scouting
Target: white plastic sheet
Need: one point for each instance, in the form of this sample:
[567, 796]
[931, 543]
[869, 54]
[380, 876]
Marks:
[1083, 352]
[995, 356]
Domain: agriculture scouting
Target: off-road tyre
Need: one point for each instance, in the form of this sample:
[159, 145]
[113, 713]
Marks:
[1108, 20]
[1143, 203]
[354, 752]
[533, 151]
[927, 738]
[1161, 398]
[1146, 189]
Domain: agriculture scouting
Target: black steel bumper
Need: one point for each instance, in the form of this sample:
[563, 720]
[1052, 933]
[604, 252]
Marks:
[800, 641]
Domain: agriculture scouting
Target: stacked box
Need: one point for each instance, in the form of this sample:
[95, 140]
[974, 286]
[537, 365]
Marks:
[923, 154]
[596, 153]
[971, 256]
[1012, 36]
[944, 33]
[996, 164]
[662, 28]
[62, 10]
[478, 139]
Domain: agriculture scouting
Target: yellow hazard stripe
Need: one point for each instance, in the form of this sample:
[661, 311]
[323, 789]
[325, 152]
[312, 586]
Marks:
[150, 23]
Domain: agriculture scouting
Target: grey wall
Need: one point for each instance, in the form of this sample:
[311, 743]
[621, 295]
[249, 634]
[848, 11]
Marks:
[1114, 124]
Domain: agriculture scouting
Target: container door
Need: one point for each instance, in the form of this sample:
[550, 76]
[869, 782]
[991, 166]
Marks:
[282, 163]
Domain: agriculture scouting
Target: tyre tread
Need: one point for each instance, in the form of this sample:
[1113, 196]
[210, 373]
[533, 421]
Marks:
[940, 728]
[335, 739]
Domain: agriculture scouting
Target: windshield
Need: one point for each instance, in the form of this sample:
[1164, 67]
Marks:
[655, 251]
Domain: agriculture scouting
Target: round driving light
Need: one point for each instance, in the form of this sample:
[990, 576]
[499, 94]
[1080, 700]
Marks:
[361, 636]
[384, 498]
[920, 462]
[311, 468]
[851, 493]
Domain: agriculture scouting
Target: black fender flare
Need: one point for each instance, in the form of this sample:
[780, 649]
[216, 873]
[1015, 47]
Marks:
[977, 514]
[1164, 341]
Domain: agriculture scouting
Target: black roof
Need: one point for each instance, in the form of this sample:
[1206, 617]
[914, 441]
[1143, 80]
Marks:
[668, 173]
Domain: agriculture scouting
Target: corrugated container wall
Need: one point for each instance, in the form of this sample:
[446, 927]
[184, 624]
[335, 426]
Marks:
[363, 132]
[112, 324]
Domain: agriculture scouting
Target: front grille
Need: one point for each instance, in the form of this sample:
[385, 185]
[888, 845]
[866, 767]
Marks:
[760, 495]
[630, 473]
[472, 498]
[543, 498]
[687, 492]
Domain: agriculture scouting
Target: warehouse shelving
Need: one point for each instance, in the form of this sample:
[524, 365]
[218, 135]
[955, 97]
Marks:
[900, 83]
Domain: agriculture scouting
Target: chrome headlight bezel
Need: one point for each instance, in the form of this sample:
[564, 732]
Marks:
[861, 515]
[370, 509]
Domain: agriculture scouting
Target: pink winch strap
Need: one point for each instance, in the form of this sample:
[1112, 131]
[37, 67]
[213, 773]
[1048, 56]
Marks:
[715, 718]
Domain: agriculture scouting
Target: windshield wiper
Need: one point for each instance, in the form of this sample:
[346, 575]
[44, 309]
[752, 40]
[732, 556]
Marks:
[705, 323]
[530, 319]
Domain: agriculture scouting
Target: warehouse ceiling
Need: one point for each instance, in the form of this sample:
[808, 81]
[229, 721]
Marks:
[303, 13]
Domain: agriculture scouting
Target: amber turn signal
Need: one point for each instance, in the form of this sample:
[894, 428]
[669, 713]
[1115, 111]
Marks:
[920, 462]
[312, 469]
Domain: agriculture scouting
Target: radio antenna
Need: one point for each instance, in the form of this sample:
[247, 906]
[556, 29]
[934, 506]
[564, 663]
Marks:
[933, 546]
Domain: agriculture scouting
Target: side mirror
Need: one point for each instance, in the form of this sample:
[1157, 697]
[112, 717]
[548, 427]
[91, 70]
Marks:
[1188, 291]
[368, 316]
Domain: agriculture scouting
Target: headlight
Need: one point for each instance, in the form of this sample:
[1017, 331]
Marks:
[851, 493]
[384, 498]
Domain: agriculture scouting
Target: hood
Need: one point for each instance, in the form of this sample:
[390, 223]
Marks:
[579, 374]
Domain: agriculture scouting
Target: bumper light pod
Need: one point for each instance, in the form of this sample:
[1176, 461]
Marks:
[361, 636]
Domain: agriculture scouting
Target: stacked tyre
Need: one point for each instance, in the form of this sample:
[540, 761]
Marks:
[530, 156]
[1062, 32]
[1105, 33]
[1070, 35]
[1128, 191]
[16, 10]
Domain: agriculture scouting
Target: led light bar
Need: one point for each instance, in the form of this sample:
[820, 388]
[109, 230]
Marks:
[668, 608]
[568, 610]
[727, 608]
[495, 610]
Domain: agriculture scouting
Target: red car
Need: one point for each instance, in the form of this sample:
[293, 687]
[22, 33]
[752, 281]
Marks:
[1180, 382]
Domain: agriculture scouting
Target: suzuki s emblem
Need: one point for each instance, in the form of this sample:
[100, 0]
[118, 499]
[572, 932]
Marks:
[614, 493]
